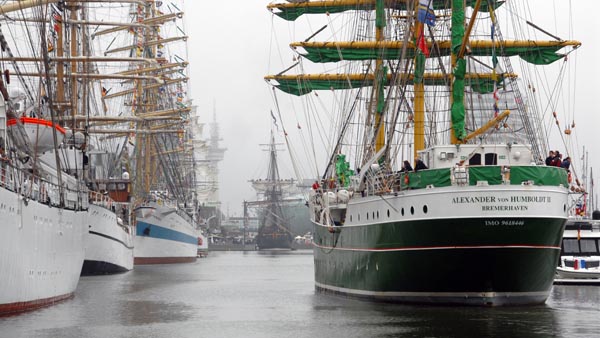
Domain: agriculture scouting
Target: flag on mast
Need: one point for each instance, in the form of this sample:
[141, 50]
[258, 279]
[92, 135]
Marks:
[426, 14]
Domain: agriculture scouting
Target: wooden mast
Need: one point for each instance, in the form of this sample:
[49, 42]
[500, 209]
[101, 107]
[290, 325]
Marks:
[419, 89]
[73, 7]
[379, 78]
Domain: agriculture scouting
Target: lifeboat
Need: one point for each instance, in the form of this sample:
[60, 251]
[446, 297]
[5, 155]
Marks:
[39, 132]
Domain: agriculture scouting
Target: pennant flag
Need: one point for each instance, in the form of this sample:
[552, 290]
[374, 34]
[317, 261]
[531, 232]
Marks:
[50, 46]
[422, 44]
[274, 120]
[426, 14]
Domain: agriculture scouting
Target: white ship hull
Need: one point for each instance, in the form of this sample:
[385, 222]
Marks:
[41, 253]
[163, 236]
[109, 246]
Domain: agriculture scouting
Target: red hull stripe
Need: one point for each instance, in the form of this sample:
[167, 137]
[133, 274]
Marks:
[162, 260]
[32, 120]
[13, 308]
[458, 247]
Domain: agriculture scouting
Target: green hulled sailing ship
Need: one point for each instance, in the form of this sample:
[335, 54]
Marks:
[429, 82]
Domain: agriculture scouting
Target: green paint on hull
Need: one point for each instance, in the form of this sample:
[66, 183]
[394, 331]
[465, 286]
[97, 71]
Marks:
[449, 261]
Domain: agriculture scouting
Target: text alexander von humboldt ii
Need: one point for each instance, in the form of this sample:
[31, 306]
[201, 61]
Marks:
[493, 203]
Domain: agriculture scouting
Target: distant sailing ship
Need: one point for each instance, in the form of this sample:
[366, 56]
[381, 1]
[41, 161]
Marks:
[43, 201]
[274, 227]
[480, 221]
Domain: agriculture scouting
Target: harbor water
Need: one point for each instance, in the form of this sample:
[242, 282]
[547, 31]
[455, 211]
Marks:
[271, 294]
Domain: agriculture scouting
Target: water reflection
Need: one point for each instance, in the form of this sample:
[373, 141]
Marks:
[271, 294]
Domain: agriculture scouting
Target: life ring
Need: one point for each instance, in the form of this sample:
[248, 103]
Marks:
[199, 240]
[406, 179]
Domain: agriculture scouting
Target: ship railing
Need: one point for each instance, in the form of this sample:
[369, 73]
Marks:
[480, 175]
[34, 187]
[185, 216]
[386, 183]
[101, 200]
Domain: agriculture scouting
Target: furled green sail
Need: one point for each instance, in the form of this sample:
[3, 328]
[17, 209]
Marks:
[292, 11]
[301, 86]
[458, 86]
[539, 55]
[342, 170]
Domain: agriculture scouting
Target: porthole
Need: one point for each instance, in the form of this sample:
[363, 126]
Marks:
[373, 214]
[377, 214]
[367, 216]
[412, 210]
[424, 209]
[350, 218]
[388, 212]
[359, 217]
[402, 211]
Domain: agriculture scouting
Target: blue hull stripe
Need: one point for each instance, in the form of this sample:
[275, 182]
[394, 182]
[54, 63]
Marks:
[144, 229]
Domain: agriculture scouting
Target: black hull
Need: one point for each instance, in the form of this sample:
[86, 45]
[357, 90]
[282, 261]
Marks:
[94, 268]
[268, 242]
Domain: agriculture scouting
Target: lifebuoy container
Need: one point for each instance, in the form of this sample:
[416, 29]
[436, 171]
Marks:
[199, 240]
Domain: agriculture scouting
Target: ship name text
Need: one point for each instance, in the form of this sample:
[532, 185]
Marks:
[494, 199]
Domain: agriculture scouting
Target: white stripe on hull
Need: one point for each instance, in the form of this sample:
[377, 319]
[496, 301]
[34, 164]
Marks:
[508, 201]
[432, 295]
[116, 250]
[41, 249]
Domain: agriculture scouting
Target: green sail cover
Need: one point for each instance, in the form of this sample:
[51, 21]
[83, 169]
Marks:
[301, 87]
[540, 175]
[458, 100]
[458, 87]
[294, 12]
[380, 14]
[419, 68]
[342, 170]
[421, 179]
[534, 55]
[381, 91]
[491, 174]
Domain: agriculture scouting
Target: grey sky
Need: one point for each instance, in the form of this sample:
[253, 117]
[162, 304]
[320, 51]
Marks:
[229, 53]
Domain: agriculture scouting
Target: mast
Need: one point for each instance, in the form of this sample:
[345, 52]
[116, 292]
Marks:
[450, 50]
[419, 86]
[380, 72]
[460, 38]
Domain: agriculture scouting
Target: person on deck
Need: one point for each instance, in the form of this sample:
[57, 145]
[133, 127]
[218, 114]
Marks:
[566, 163]
[550, 158]
[5, 160]
[406, 167]
[420, 165]
[556, 161]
